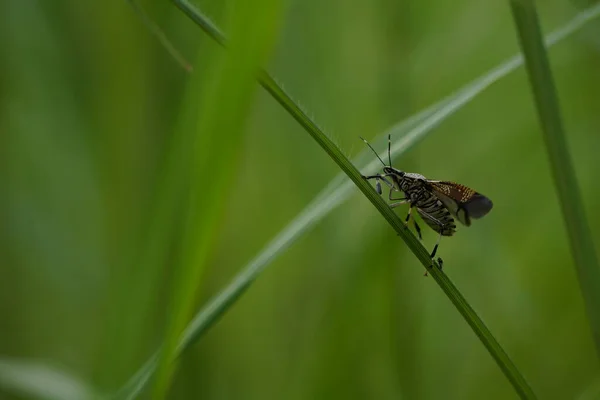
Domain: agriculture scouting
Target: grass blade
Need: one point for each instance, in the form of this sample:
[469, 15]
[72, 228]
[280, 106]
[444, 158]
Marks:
[414, 245]
[228, 86]
[340, 188]
[544, 92]
[478, 326]
[160, 35]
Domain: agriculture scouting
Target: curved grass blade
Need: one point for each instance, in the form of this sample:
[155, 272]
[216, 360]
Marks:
[544, 93]
[340, 188]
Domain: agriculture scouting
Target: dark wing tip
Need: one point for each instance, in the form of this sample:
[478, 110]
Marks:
[478, 206]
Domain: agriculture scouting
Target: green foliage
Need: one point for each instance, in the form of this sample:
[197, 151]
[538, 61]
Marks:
[97, 194]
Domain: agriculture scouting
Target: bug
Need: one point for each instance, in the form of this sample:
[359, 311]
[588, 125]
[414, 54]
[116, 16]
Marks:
[437, 202]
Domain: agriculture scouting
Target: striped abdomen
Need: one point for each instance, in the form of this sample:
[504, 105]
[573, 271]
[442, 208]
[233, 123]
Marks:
[435, 214]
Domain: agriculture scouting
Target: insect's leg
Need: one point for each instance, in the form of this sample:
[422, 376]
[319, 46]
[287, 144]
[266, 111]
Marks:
[376, 176]
[386, 181]
[378, 186]
[392, 205]
[440, 261]
[367, 177]
[380, 176]
[440, 265]
[377, 183]
[400, 200]
[436, 246]
[418, 229]
[392, 198]
[408, 215]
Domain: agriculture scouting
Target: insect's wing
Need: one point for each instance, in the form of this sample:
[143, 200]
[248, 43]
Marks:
[463, 202]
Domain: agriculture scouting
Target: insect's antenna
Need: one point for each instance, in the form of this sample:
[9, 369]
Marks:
[373, 150]
[390, 148]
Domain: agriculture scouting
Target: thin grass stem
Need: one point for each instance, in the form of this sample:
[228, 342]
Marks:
[546, 100]
[160, 35]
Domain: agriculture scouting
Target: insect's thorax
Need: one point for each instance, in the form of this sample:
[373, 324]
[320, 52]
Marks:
[431, 209]
[414, 187]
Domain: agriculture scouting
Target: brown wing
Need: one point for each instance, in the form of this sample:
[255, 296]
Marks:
[462, 201]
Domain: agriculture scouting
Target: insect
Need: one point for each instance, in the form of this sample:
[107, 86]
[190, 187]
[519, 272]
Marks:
[437, 202]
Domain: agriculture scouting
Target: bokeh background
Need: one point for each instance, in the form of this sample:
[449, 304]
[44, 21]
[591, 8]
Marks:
[88, 103]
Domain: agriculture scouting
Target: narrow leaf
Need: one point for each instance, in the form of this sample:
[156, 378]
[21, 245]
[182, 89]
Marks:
[546, 100]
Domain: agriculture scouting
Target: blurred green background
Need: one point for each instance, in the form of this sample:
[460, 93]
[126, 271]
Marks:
[89, 103]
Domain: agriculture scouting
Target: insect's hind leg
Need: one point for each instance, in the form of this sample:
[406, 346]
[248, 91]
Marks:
[436, 246]
[418, 229]
[439, 260]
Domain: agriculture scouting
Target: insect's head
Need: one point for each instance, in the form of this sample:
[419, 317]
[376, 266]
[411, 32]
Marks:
[393, 171]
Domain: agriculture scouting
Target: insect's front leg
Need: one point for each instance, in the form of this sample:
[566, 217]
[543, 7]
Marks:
[392, 189]
[377, 183]
[398, 201]
[377, 176]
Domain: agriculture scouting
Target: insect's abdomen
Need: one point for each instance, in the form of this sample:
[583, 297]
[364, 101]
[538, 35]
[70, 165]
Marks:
[436, 215]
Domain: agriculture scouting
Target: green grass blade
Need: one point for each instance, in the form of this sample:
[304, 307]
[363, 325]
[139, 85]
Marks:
[137, 383]
[340, 188]
[506, 365]
[544, 92]
[201, 20]
[226, 95]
